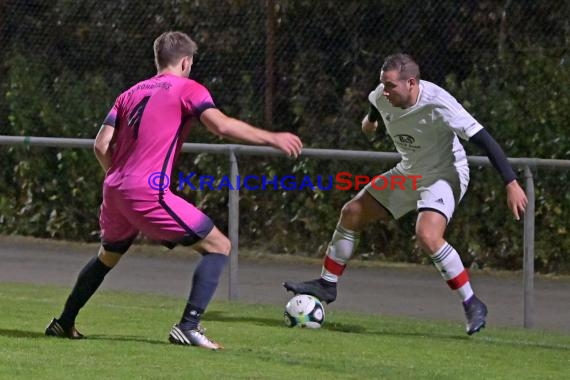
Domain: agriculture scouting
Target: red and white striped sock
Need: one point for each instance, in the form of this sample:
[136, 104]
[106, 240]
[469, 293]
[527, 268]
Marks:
[339, 251]
[449, 264]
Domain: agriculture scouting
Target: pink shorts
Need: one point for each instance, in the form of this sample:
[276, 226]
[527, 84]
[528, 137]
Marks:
[168, 219]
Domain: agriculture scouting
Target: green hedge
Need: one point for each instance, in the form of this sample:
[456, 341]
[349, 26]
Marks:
[323, 79]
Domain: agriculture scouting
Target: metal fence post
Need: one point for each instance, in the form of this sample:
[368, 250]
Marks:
[233, 225]
[528, 261]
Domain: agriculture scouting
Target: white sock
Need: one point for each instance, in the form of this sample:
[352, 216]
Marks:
[340, 250]
[449, 264]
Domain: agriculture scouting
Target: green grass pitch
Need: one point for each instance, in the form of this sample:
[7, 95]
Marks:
[127, 339]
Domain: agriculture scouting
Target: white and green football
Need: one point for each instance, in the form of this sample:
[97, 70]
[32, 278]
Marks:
[304, 310]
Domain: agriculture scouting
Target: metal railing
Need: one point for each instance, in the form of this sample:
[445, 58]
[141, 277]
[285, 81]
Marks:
[233, 151]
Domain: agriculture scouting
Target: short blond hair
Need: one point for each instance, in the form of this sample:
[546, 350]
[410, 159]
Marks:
[171, 46]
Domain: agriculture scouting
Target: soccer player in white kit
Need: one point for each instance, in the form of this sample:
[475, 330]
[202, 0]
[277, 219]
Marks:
[424, 121]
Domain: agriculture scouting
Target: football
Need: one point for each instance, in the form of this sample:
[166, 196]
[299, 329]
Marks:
[304, 310]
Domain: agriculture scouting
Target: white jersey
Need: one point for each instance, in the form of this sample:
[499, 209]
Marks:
[425, 134]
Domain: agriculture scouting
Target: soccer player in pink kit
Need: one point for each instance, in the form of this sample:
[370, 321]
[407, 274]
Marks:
[424, 122]
[137, 146]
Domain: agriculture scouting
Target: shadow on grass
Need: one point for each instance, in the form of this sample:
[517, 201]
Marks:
[479, 338]
[337, 327]
[20, 333]
[455, 335]
[276, 322]
[128, 338]
[121, 338]
[219, 316]
[345, 328]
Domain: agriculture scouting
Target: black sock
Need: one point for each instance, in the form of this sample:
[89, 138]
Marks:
[204, 283]
[87, 283]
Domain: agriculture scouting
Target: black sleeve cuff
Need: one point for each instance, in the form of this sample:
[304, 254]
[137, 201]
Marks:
[203, 107]
[110, 120]
[495, 153]
[373, 114]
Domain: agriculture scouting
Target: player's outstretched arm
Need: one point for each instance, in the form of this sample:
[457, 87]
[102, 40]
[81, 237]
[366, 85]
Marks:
[222, 125]
[516, 197]
[102, 146]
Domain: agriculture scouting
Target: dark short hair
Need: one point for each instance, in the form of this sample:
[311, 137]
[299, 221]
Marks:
[404, 64]
[170, 47]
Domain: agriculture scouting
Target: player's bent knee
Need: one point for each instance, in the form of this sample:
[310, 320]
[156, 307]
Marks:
[224, 246]
[110, 259]
[429, 240]
[215, 242]
[351, 216]
[351, 210]
[118, 247]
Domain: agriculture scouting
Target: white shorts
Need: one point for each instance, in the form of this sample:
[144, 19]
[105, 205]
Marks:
[440, 193]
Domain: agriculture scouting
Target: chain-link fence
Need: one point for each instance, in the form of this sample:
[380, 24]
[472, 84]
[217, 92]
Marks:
[298, 65]
[266, 58]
